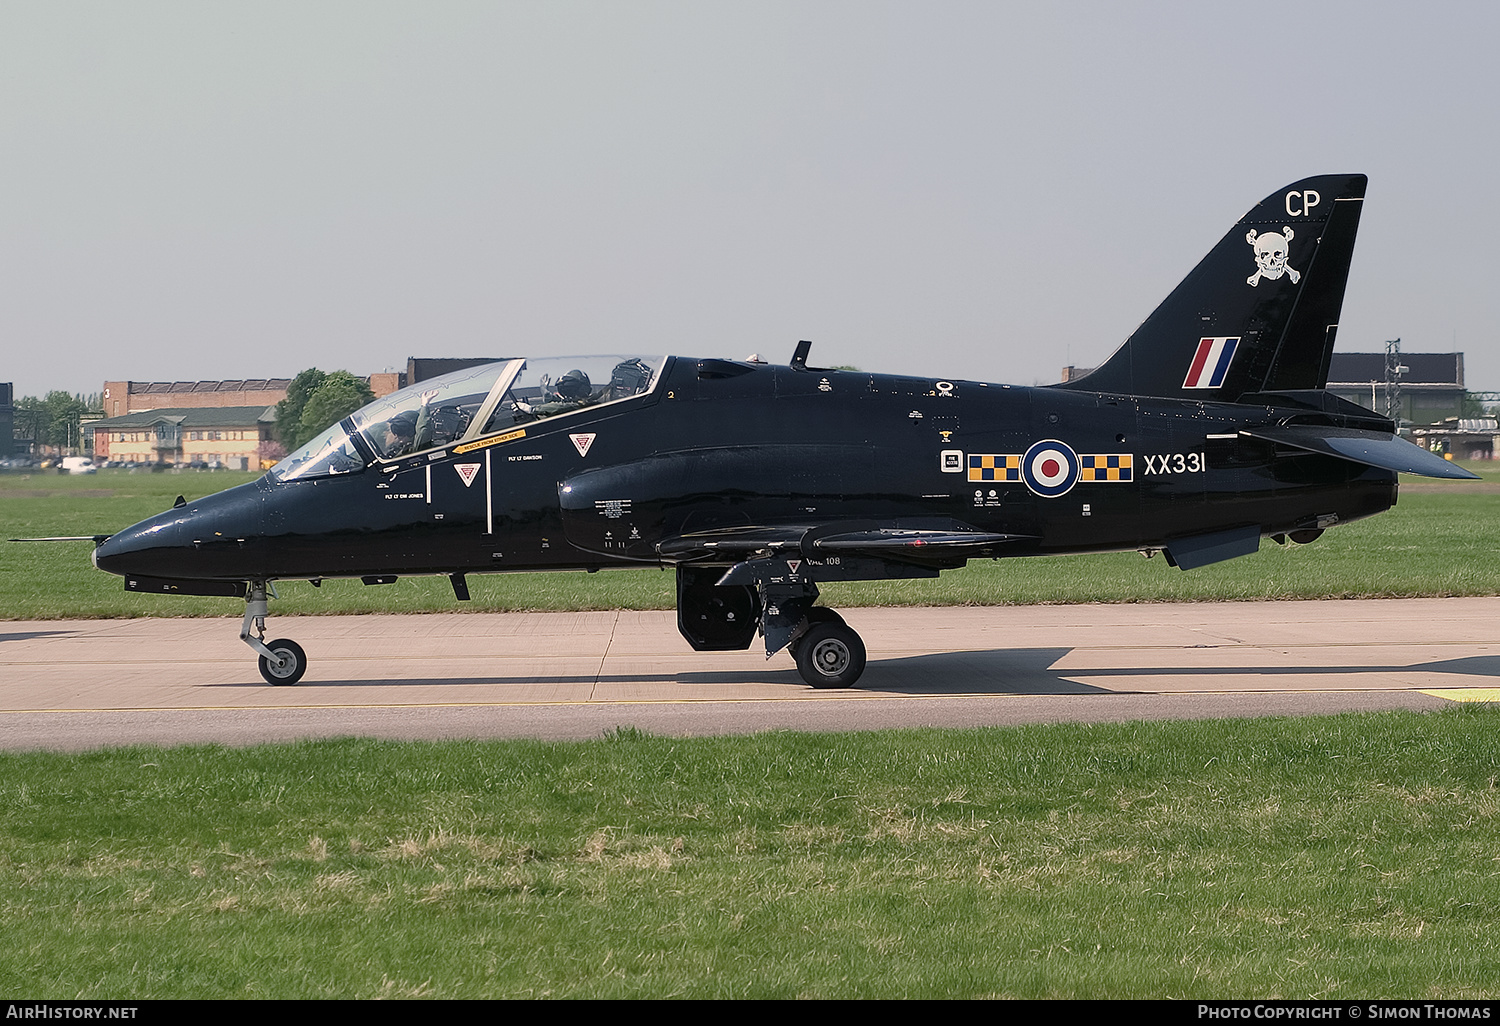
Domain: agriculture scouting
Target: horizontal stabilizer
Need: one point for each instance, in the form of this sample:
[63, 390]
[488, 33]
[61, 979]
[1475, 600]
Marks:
[1373, 448]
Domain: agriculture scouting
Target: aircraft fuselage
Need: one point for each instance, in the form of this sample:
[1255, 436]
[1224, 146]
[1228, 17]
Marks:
[718, 445]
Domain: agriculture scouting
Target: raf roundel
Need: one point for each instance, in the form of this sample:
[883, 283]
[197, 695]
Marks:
[1050, 468]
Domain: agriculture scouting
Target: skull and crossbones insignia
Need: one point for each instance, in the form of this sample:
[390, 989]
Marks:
[1271, 251]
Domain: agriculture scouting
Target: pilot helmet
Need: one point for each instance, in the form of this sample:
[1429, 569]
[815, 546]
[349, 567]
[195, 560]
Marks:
[573, 386]
[404, 424]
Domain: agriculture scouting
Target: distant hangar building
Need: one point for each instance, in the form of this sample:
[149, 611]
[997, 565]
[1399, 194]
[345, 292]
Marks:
[1431, 387]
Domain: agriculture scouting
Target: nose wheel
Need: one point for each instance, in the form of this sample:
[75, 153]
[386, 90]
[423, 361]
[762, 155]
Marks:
[281, 661]
[287, 666]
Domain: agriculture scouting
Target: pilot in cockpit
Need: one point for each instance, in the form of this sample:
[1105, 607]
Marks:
[398, 434]
[574, 390]
[570, 392]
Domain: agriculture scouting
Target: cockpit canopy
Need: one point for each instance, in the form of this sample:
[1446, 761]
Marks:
[472, 403]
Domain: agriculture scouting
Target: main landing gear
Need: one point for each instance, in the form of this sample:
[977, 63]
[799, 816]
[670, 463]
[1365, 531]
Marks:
[281, 661]
[829, 653]
[720, 611]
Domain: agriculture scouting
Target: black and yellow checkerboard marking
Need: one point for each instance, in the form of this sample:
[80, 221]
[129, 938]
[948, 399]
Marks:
[993, 467]
[1106, 467]
[1115, 466]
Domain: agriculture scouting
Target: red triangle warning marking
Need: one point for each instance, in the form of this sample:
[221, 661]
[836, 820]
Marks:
[582, 443]
[467, 472]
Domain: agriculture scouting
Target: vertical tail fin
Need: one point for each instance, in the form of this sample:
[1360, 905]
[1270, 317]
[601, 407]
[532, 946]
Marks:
[1258, 313]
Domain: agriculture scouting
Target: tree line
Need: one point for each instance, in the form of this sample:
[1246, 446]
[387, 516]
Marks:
[315, 401]
[54, 419]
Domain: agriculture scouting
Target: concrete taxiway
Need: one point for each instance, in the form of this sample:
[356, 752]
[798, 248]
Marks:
[73, 685]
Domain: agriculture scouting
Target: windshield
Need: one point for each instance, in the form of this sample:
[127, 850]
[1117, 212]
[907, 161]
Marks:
[332, 452]
[490, 398]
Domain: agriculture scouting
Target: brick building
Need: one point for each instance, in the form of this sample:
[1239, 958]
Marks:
[236, 437]
[228, 423]
[122, 397]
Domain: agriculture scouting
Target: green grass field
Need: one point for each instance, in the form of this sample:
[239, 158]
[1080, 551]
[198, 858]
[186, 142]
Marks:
[1340, 857]
[1439, 540]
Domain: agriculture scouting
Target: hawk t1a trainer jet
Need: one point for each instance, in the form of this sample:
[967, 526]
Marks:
[1207, 430]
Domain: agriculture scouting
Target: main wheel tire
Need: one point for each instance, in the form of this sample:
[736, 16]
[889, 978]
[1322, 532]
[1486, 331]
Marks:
[815, 616]
[830, 655]
[292, 666]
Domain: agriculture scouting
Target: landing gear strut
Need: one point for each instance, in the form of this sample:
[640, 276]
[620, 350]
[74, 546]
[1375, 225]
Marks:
[281, 661]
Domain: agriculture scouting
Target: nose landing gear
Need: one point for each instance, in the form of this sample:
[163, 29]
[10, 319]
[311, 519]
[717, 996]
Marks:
[281, 661]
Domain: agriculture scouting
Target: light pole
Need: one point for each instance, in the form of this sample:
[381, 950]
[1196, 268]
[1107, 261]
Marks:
[1394, 368]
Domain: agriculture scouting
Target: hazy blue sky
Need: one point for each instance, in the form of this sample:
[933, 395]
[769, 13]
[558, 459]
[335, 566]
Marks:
[981, 190]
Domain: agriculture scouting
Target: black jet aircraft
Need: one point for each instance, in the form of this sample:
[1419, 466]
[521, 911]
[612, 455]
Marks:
[1206, 431]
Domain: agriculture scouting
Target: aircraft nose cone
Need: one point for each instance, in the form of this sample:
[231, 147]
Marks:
[203, 539]
[141, 549]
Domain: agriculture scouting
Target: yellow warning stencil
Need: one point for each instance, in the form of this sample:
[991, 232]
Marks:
[508, 437]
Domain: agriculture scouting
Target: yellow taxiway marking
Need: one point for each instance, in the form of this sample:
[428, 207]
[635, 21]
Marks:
[1467, 694]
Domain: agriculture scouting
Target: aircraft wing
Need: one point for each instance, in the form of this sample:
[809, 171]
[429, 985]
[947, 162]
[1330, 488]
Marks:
[852, 538]
[895, 541]
[1374, 448]
[733, 540]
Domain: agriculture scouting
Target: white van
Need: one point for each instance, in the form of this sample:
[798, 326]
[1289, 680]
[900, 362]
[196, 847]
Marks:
[78, 465]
